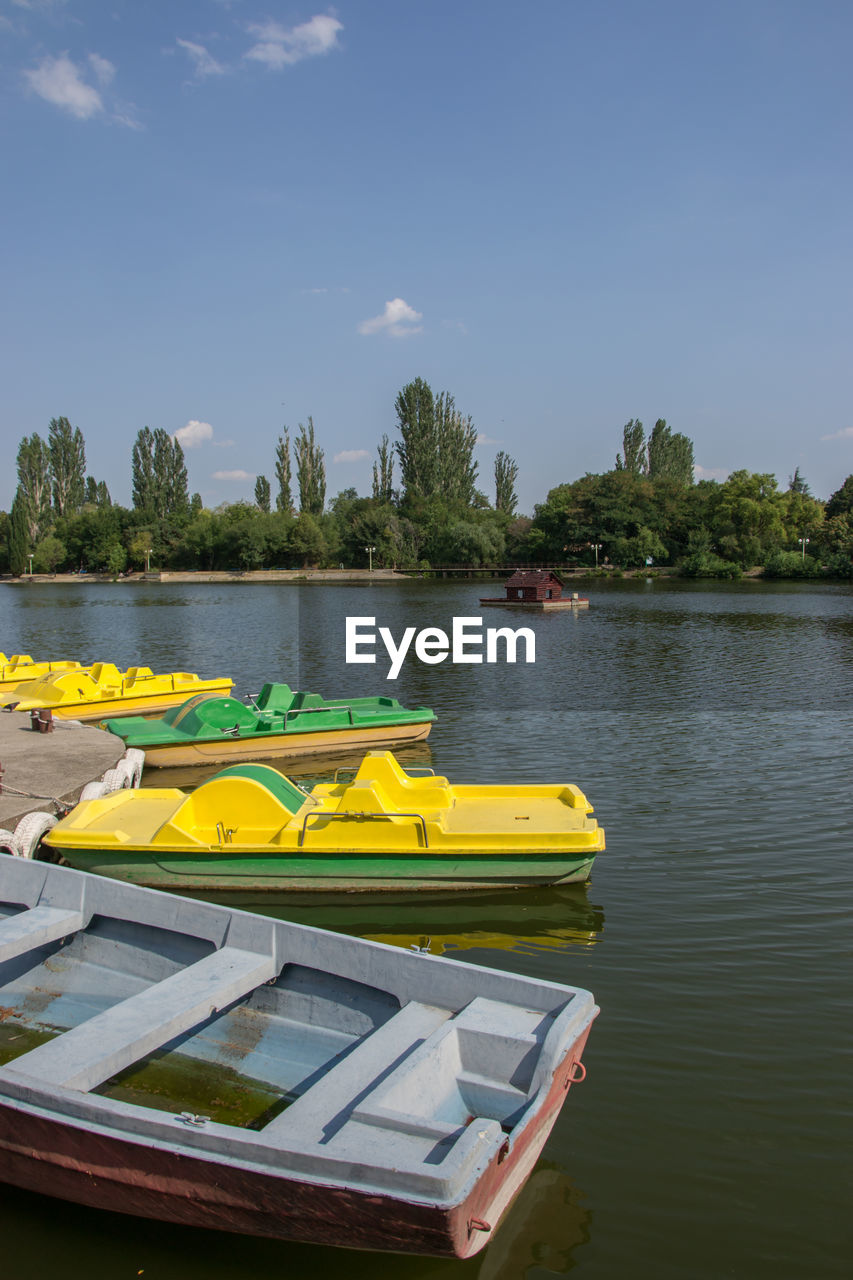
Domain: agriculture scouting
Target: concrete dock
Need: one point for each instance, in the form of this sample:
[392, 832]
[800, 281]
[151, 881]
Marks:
[37, 768]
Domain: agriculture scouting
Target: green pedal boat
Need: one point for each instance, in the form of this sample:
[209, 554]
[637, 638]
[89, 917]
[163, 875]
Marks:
[279, 722]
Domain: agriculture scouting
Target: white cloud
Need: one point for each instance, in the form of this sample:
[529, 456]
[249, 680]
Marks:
[60, 82]
[194, 434]
[204, 63]
[710, 473]
[232, 475]
[279, 46]
[398, 319]
[351, 455]
[846, 433]
[482, 438]
[103, 69]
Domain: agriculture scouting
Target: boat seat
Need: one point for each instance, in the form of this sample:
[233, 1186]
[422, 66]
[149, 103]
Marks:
[275, 697]
[103, 672]
[100, 1047]
[318, 1114]
[134, 674]
[35, 928]
[381, 768]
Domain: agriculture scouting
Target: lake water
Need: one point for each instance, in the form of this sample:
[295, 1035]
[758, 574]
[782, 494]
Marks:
[711, 728]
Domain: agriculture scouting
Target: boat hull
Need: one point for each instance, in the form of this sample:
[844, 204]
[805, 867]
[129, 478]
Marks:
[150, 704]
[280, 746]
[365, 871]
[78, 1162]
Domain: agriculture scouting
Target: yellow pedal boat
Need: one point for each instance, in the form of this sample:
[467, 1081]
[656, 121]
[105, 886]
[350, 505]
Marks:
[249, 827]
[20, 667]
[90, 693]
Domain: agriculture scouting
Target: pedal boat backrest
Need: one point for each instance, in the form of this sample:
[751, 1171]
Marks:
[381, 776]
[210, 713]
[243, 804]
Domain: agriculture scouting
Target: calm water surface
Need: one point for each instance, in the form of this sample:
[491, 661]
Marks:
[711, 729]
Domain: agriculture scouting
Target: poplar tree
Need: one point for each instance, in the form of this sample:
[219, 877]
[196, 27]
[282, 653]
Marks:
[506, 474]
[417, 447]
[67, 466]
[20, 543]
[97, 493]
[284, 497]
[170, 476]
[34, 485]
[633, 448]
[159, 476]
[456, 436]
[262, 494]
[310, 471]
[142, 463]
[383, 472]
[436, 445]
[670, 455]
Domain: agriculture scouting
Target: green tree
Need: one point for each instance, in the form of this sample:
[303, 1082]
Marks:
[49, 554]
[97, 493]
[796, 484]
[310, 471]
[417, 448]
[745, 517]
[159, 477]
[506, 474]
[436, 445]
[836, 543]
[67, 466]
[307, 540]
[4, 542]
[142, 481]
[34, 485]
[841, 502]
[284, 497]
[19, 535]
[115, 559]
[670, 455]
[383, 472]
[457, 436]
[262, 494]
[633, 457]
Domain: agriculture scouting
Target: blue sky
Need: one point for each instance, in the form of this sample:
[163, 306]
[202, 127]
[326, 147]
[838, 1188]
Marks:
[221, 216]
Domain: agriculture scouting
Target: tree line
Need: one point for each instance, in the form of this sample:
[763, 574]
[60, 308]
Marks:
[425, 509]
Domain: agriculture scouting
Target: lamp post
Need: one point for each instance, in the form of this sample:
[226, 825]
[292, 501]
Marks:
[370, 551]
[148, 559]
[804, 542]
[596, 546]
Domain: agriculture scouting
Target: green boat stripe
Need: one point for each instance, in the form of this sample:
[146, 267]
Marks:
[282, 788]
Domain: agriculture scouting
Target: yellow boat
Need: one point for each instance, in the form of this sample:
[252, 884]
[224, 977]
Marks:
[249, 827]
[90, 693]
[20, 667]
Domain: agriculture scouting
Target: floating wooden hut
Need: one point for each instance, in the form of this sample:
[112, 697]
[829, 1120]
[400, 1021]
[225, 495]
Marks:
[537, 589]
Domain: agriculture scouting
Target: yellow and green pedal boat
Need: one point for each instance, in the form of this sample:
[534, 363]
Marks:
[280, 722]
[249, 827]
[21, 667]
[90, 693]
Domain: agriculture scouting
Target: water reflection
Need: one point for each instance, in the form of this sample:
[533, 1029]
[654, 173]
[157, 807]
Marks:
[548, 1223]
[525, 921]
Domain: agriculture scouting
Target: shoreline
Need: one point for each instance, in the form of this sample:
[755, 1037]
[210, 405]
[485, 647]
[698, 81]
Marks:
[316, 575]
